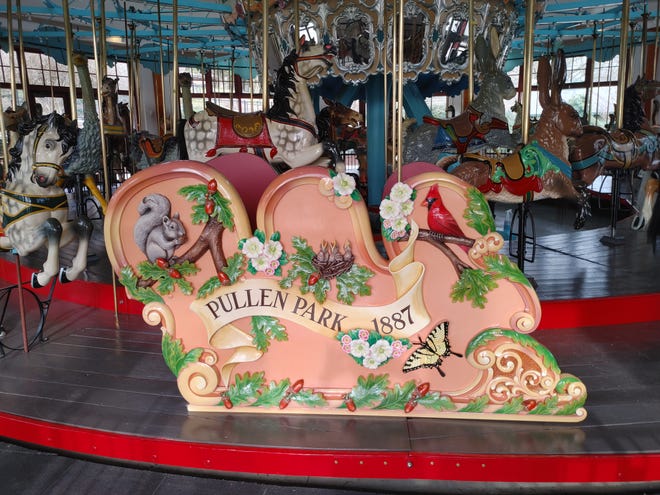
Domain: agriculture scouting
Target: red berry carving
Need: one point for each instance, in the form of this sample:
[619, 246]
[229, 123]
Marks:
[227, 401]
[298, 385]
[410, 405]
[313, 278]
[224, 278]
[350, 404]
[162, 263]
[209, 206]
[174, 273]
[212, 186]
[529, 404]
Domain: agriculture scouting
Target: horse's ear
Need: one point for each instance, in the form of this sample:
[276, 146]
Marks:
[543, 78]
[302, 40]
[558, 77]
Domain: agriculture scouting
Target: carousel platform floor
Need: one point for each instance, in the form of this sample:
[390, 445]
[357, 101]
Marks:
[94, 409]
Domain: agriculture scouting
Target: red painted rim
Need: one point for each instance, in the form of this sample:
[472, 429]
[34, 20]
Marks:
[403, 465]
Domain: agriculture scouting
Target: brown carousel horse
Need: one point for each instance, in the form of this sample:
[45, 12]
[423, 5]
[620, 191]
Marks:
[540, 169]
[344, 128]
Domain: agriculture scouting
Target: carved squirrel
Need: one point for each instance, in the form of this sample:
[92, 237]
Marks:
[156, 233]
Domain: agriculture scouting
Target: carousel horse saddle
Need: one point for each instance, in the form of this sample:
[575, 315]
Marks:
[470, 127]
[245, 125]
[154, 147]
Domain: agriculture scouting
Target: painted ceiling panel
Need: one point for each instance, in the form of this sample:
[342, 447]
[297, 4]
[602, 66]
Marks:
[215, 32]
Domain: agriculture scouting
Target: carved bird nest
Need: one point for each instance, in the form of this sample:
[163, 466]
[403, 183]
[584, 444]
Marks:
[331, 262]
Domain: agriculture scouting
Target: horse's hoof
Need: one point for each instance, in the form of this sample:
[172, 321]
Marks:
[637, 223]
[34, 281]
[62, 276]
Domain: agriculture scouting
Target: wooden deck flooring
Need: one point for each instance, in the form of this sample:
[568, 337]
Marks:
[92, 374]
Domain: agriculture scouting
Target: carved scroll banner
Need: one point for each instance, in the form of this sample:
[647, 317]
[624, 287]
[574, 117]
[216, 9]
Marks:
[306, 313]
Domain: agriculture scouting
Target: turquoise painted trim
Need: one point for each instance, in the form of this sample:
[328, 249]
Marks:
[375, 139]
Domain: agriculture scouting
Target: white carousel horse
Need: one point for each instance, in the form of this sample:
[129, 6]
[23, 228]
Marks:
[34, 206]
[286, 133]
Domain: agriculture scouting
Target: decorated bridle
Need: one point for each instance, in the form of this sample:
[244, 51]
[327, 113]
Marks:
[35, 164]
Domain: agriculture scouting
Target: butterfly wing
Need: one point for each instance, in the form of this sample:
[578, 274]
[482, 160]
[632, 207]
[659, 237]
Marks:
[421, 358]
[431, 351]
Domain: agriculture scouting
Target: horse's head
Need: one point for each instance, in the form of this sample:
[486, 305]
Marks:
[47, 147]
[313, 59]
[109, 86]
[556, 114]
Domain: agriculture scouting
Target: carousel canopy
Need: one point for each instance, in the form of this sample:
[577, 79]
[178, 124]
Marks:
[220, 33]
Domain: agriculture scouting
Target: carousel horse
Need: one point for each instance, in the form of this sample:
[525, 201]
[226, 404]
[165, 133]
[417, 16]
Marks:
[285, 134]
[635, 145]
[344, 128]
[35, 207]
[482, 124]
[116, 123]
[540, 169]
[12, 119]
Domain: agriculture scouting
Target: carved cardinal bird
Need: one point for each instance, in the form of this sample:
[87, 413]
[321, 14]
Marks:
[440, 219]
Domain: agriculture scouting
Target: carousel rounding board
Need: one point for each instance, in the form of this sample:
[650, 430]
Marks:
[303, 314]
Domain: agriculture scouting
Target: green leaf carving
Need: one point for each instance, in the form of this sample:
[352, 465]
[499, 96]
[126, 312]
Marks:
[143, 294]
[477, 213]
[433, 400]
[369, 391]
[397, 397]
[473, 285]
[476, 405]
[513, 406]
[502, 267]
[221, 211]
[309, 398]
[265, 328]
[352, 283]
[245, 387]
[272, 395]
[523, 339]
[174, 355]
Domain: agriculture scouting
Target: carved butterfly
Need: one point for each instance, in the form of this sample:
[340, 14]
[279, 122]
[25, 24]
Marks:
[432, 351]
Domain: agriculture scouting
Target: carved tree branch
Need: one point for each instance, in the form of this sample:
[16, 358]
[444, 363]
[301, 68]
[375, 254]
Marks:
[440, 241]
[209, 240]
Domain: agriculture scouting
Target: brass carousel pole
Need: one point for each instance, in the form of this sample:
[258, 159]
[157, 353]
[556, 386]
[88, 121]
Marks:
[590, 89]
[399, 85]
[69, 56]
[622, 62]
[175, 65]
[21, 300]
[5, 144]
[250, 59]
[104, 158]
[162, 69]
[21, 53]
[394, 124]
[12, 65]
[470, 94]
[655, 42]
[528, 61]
[612, 239]
[264, 57]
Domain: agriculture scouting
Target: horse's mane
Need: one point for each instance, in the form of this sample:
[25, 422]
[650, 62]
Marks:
[66, 129]
[634, 116]
[283, 88]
